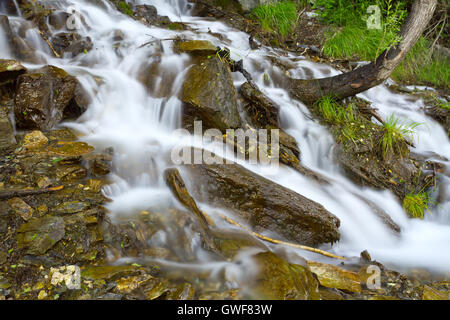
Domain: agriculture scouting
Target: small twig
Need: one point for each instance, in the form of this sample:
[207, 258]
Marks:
[23, 193]
[438, 36]
[49, 44]
[298, 246]
[153, 41]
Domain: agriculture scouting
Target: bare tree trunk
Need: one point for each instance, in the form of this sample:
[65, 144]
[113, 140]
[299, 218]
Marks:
[374, 73]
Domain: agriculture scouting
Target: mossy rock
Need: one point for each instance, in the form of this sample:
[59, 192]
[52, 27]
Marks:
[209, 95]
[108, 272]
[197, 47]
[39, 235]
[334, 277]
[69, 149]
[280, 280]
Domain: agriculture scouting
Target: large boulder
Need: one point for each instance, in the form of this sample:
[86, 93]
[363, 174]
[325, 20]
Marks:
[42, 96]
[263, 204]
[209, 95]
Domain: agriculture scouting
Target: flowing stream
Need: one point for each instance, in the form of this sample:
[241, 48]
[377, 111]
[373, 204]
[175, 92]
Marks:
[138, 124]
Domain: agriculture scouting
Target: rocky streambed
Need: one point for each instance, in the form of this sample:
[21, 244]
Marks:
[61, 236]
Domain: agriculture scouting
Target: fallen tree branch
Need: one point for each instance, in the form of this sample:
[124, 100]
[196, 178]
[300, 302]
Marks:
[298, 246]
[372, 74]
[23, 193]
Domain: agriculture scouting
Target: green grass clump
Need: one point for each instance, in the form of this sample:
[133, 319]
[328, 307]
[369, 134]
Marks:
[350, 37]
[419, 67]
[277, 17]
[394, 136]
[350, 126]
[354, 42]
[125, 8]
[415, 204]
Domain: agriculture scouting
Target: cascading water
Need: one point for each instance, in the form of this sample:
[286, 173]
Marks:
[138, 124]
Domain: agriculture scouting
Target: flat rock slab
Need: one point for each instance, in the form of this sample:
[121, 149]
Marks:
[39, 235]
[263, 204]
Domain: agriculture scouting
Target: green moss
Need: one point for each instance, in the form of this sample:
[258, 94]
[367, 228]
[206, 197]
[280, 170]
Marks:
[277, 17]
[125, 8]
[415, 204]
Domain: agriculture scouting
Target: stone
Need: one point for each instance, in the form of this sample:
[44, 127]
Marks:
[263, 204]
[334, 277]
[70, 207]
[280, 280]
[197, 47]
[40, 234]
[69, 149]
[209, 95]
[434, 294]
[21, 208]
[42, 96]
[43, 182]
[33, 141]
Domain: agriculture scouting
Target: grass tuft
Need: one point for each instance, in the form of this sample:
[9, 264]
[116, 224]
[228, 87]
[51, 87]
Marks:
[421, 68]
[394, 136]
[277, 17]
[415, 204]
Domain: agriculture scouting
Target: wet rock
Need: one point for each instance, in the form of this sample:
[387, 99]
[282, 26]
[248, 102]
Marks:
[230, 243]
[330, 294]
[184, 291]
[334, 277]
[440, 114]
[69, 149]
[10, 70]
[150, 14]
[43, 182]
[263, 204]
[3, 257]
[433, 294]
[71, 43]
[21, 208]
[8, 6]
[108, 272]
[58, 19]
[209, 95]
[263, 111]
[70, 207]
[280, 280]
[42, 97]
[19, 47]
[39, 235]
[7, 138]
[79, 103]
[33, 141]
[70, 173]
[197, 47]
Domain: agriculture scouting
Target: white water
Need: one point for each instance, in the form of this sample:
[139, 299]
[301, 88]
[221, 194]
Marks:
[139, 126]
